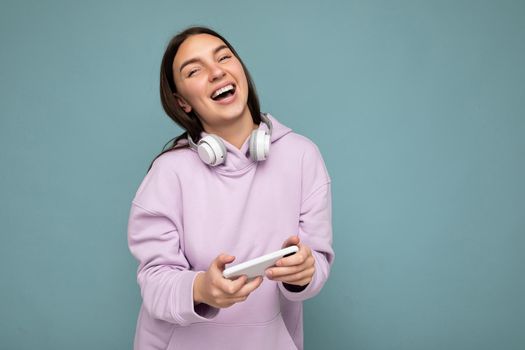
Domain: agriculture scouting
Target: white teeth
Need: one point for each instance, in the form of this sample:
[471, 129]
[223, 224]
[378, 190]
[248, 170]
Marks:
[221, 90]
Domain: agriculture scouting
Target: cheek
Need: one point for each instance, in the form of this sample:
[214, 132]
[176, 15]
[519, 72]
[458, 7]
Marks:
[193, 92]
[243, 82]
[241, 74]
[238, 72]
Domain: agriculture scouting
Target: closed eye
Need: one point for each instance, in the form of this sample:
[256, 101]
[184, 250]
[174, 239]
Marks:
[192, 72]
[224, 57]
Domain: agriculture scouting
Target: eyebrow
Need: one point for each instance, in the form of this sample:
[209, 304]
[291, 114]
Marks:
[193, 60]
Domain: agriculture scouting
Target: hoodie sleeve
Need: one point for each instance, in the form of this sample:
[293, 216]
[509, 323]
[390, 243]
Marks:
[154, 239]
[315, 223]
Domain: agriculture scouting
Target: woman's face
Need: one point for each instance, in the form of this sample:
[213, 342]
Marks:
[203, 68]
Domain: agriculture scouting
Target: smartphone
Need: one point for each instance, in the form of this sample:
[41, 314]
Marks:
[256, 267]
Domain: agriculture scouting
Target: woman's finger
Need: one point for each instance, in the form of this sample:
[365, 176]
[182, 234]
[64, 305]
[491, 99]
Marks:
[305, 275]
[298, 258]
[292, 240]
[231, 287]
[275, 272]
[220, 261]
[249, 287]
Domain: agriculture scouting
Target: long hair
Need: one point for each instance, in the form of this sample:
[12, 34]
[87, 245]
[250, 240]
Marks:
[168, 91]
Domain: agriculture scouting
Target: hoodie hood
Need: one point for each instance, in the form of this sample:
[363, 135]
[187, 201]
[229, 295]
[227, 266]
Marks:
[238, 161]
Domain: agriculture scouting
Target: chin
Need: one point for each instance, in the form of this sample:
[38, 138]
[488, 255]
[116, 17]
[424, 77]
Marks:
[234, 112]
[231, 116]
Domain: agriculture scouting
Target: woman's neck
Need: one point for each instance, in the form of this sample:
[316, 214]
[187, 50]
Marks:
[235, 131]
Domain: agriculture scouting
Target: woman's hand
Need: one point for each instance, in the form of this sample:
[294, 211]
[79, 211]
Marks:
[297, 269]
[212, 288]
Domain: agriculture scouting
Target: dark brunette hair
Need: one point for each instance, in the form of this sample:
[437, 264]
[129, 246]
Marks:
[168, 91]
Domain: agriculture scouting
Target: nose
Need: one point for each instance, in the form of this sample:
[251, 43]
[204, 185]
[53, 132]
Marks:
[216, 72]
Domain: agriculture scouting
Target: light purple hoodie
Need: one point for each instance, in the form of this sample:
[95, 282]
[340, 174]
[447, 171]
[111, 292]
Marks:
[186, 213]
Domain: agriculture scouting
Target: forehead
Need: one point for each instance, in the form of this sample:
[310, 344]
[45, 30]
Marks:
[196, 46]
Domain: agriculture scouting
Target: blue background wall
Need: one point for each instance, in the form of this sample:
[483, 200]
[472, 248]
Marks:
[417, 106]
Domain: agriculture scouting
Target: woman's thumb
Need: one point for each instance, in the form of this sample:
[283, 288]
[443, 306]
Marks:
[292, 240]
[222, 260]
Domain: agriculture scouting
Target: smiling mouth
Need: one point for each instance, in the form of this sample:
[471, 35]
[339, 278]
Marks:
[223, 93]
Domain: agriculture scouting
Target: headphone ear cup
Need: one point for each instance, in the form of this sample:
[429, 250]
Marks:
[259, 145]
[211, 150]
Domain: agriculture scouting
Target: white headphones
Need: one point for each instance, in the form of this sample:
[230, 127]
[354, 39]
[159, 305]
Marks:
[212, 150]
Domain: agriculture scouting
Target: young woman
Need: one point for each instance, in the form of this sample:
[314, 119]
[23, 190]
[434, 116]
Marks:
[236, 185]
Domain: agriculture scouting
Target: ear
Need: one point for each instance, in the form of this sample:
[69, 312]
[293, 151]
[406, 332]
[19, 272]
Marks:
[182, 103]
